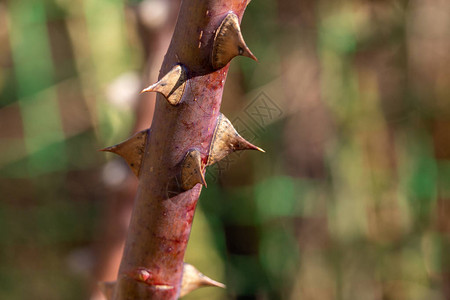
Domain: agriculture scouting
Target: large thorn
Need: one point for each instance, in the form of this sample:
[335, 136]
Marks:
[192, 170]
[131, 150]
[107, 288]
[227, 140]
[229, 43]
[193, 279]
[171, 85]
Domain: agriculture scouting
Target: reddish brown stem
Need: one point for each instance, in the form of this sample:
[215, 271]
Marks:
[152, 263]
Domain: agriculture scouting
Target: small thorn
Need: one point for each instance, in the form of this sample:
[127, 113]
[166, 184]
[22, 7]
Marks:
[229, 43]
[107, 288]
[131, 150]
[227, 140]
[192, 170]
[171, 85]
[194, 279]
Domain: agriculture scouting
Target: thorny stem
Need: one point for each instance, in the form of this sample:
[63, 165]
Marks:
[152, 262]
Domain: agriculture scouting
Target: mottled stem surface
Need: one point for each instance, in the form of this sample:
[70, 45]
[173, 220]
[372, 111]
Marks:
[152, 262]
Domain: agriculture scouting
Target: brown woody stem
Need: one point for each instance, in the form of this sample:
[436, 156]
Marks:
[152, 262]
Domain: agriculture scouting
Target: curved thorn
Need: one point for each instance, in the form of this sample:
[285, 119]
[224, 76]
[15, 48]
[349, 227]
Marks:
[131, 150]
[229, 43]
[171, 85]
[194, 279]
[227, 140]
[192, 170]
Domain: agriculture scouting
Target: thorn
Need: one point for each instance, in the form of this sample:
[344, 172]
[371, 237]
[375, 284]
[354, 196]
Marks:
[191, 170]
[131, 150]
[171, 85]
[107, 288]
[227, 140]
[193, 279]
[229, 43]
[141, 274]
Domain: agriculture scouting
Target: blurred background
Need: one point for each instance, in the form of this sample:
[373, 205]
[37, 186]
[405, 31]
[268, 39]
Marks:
[350, 100]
